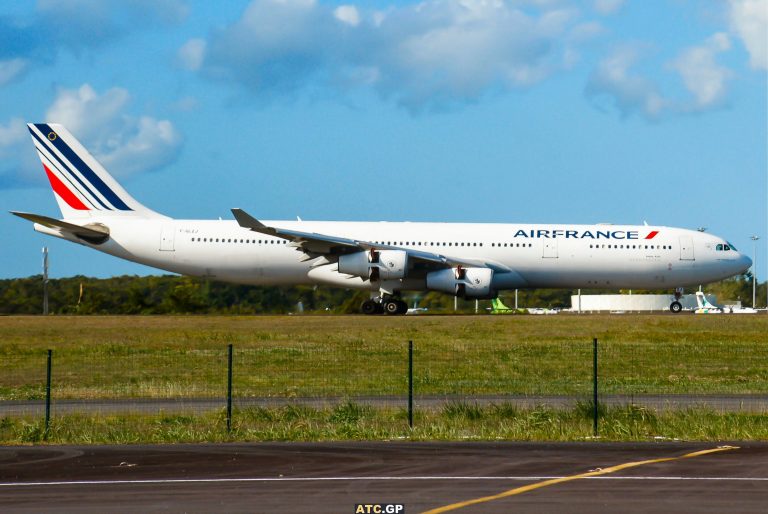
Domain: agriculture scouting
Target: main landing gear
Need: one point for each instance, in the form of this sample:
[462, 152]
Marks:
[676, 307]
[390, 306]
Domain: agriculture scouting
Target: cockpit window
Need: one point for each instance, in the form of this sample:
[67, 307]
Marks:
[719, 248]
[726, 248]
[731, 247]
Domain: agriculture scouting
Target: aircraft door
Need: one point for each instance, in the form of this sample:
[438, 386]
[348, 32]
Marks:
[550, 249]
[167, 238]
[686, 249]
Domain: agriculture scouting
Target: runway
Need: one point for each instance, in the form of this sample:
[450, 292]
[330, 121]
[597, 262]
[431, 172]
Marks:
[437, 477]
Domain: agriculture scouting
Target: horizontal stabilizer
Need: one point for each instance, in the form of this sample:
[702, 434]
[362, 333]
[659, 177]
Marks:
[95, 233]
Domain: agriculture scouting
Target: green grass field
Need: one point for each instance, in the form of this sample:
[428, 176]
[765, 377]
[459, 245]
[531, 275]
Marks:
[298, 356]
[348, 356]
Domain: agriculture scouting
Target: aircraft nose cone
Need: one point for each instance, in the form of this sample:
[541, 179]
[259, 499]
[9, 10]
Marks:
[744, 263]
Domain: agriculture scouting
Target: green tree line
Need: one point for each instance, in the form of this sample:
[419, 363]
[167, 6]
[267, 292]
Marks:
[169, 294]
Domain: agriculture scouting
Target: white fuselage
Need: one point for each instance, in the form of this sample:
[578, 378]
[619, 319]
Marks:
[539, 256]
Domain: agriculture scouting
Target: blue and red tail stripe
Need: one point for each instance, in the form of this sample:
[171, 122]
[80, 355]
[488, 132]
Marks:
[63, 191]
[53, 141]
[66, 172]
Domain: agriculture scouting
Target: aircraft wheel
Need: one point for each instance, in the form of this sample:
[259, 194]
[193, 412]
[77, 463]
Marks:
[676, 307]
[402, 307]
[369, 307]
[392, 307]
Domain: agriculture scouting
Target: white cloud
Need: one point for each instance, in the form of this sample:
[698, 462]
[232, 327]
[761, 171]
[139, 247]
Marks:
[347, 14]
[702, 76]
[423, 55]
[124, 143]
[87, 114]
[614, 81]
[12, 69]
[191, 54]
[75, 25]
[606, 7]
[11, 135]
[629, 92]
[144, 144]
[749, 19]
[186, 104]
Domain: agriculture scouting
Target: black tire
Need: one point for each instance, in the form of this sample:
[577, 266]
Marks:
[676, 307]
[391, 308]
[369, 307]
[402, 307]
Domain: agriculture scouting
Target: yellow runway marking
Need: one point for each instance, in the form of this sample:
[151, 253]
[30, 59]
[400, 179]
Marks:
[547, 483]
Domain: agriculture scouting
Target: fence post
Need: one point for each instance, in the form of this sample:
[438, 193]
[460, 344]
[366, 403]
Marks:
[229, 388]
[594, 384]
[410, 384]
[48, 395]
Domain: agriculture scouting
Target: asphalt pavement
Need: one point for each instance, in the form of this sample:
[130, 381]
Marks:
[417, 477]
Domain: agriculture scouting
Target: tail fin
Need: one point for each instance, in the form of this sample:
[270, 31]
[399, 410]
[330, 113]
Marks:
[498, 306]
[82, 187]
[703, 302]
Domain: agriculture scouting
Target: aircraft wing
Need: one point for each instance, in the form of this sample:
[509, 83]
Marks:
[315, 245]
[93, 233]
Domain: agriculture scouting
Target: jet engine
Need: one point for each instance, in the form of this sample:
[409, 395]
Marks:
[375, 265]
[462, 282]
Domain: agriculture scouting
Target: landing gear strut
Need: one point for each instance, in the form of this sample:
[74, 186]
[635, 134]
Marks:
[676, 307]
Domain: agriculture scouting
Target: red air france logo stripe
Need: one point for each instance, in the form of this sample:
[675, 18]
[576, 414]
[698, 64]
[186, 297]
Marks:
[652, 234]
[65, 194]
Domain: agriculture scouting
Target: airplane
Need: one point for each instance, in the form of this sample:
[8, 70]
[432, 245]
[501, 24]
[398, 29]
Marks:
[469, 260]
[704, 306]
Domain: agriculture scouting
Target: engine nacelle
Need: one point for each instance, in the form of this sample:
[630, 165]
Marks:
[375, 265]
[462, 282]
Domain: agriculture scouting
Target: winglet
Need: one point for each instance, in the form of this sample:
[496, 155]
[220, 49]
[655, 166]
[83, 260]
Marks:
[245, 220]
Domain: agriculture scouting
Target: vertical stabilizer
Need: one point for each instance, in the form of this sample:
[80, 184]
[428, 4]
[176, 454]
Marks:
[81, 185]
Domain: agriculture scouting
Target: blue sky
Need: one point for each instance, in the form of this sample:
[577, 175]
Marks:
[489, 111]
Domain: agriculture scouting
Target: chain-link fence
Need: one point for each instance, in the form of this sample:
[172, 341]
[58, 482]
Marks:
[193, 379]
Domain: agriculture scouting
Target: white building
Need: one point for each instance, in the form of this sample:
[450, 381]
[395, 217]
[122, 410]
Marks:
[632, 302]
